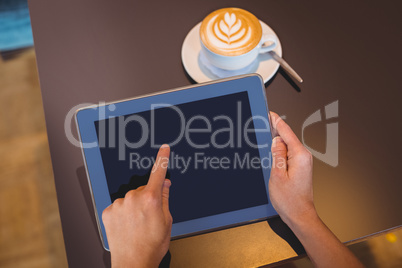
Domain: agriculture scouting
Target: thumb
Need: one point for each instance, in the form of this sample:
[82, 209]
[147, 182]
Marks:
[279, 154]
[165, 194]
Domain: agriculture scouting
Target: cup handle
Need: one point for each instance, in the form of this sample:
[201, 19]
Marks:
[266, 38]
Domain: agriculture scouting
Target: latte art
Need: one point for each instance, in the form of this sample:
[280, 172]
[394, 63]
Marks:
[230, 31]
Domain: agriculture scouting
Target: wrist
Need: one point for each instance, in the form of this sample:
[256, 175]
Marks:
[302, 220]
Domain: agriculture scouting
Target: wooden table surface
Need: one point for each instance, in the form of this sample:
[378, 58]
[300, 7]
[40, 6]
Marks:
[30, 229]
[347, 52]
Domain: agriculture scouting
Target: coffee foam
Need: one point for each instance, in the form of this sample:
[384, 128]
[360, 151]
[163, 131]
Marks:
[230, 31]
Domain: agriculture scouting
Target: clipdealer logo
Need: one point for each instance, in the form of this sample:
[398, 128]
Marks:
[331, 154]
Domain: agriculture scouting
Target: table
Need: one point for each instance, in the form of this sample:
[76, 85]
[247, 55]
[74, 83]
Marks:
[348, 53]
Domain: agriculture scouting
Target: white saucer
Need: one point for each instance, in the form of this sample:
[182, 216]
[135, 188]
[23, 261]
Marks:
[264, 65]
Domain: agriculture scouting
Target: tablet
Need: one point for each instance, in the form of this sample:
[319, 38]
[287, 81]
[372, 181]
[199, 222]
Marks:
[220, 138]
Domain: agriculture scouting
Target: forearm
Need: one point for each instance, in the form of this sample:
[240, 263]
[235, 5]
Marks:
[321, 245]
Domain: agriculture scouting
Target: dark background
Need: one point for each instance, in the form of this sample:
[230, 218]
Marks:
[348, 51]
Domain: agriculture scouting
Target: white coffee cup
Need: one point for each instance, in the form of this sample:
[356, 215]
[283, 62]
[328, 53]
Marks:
[230, 18]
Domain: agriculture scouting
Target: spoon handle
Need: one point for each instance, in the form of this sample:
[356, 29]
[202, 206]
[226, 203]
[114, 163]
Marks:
[285, 66]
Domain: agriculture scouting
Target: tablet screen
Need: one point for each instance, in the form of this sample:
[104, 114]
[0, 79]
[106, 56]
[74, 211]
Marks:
[214, 163]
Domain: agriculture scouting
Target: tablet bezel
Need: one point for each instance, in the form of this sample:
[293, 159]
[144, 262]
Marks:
[85, 118]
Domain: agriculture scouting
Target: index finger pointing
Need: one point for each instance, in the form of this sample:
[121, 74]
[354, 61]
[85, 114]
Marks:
[158, 173]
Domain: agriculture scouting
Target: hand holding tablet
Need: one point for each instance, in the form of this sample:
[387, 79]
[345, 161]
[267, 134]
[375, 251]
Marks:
[139, 224]
[291, 181]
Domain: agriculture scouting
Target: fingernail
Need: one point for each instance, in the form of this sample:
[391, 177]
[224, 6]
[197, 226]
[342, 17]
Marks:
[165, 146]
[167, 183]
[276, 140]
